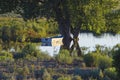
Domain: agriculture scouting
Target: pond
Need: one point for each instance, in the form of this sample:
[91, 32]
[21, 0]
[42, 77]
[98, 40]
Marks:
[88, 40]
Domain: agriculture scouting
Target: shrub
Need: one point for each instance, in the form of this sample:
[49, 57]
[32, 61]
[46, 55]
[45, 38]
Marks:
[26, 70]
[98, 60]
[46, 75]
[64, 57]
[116, 61]
[88, 59]
[104, 62]
[30, 51]
[87, 73]
[6, 56]
[77, 78]
[111, 73]
[16, 29]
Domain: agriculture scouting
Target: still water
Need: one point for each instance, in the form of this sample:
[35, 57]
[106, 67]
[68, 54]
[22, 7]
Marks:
[88, 40]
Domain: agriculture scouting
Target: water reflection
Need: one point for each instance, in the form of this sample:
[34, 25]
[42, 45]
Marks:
[107, 40]
[87, 40]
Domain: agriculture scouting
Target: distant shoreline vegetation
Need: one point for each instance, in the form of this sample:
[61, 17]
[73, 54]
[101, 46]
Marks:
[95, 34]
[16, 29]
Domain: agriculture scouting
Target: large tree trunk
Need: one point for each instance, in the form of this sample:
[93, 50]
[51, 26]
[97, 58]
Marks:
[66, 30]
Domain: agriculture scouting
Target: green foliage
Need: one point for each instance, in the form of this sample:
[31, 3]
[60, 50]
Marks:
[30, 49]
[26, 70]
[30, 68]
[64, 78]
[16, 29]
[116, 61]
[101, 75]
[43, 56]
[77, 78]
[11, 28]
[89, 60]
[104, 62]
[97, 16]
[88, 73]
[46, 75]
[111, 73]
[64, 57]
[41, 27]
[113, 21]
[23, 71]
[31, 52]
[6, 56]
[37, 28]
[98, 60]
[53, 27]
[20, 71]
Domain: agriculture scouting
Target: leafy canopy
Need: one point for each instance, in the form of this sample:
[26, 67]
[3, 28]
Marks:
[92, 15]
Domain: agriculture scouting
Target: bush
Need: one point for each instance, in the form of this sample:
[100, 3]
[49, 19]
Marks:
[30, 51]
[98, 60]
[89, 60]
[11, 28]
[104, 62]
[6, 56]
[87, 73]
[43, 56]
[116, 61]
[26, 70]
[64, 57]
[64, 78]
[46, 75]
[77, 78]
[111, 73]
[16, 29]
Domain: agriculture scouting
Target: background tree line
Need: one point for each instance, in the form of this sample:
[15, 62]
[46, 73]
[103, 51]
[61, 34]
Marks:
[15, 29]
